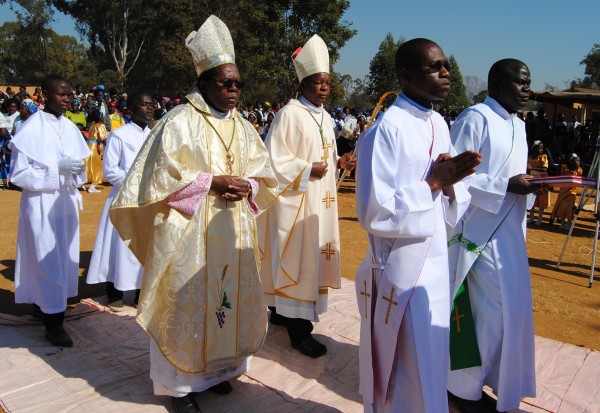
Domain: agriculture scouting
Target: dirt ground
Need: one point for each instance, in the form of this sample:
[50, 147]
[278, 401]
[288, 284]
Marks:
[565, 309]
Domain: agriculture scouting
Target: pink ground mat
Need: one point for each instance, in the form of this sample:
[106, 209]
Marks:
[108, 369]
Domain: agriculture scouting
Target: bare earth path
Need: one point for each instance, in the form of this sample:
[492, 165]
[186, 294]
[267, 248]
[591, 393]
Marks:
[565, 309]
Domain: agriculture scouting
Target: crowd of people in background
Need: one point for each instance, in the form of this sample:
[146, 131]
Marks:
[100, 111]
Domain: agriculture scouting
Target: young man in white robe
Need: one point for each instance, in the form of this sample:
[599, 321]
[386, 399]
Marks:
[407, 189]
[488, 252]
[47, 163]
[299, 237]
[187, 210]
[112, 262]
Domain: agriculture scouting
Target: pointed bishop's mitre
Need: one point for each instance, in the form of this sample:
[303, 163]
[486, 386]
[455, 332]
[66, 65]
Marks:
[312, 58]
[211, 45]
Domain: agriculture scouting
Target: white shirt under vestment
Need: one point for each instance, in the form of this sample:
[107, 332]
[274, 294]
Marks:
[299, 236]
[499, 279]
[111, 259]
[404, 346]
[47, 261]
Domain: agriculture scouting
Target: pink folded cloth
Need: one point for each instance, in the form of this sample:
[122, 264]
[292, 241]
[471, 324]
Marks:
[188, 199]
[252, 196]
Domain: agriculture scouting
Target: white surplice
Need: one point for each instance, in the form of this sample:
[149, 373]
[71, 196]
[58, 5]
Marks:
[47, 261]
[111, 259]
[404, 342]
[498, 272]
[299, 236]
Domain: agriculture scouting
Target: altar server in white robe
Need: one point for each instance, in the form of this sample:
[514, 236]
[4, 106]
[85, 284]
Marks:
[407, 189]
[490, 251]
[299, 237]
[112, 261]
[47, 163]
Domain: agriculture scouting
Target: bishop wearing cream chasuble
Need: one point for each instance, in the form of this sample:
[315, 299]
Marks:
[187, 210]
[299, 236]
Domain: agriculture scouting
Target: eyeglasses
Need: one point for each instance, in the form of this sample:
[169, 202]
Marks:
[436, 66]
[227, 83]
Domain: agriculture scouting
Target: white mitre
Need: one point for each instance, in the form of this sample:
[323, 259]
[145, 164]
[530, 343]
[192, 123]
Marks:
[312, 58]
[211, 45]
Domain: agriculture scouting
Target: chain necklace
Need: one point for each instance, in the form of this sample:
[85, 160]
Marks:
[58, 132]
[230, 158]
[325, 156]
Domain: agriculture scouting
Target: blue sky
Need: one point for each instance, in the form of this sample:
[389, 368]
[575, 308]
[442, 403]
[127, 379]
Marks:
[552, 37]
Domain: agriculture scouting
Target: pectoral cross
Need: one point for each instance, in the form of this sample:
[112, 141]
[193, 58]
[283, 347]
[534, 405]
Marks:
[367, 296]
[457, 318]
[326, 147]
[328, 199]
[328, 252]
[230, 159]
[391, 302]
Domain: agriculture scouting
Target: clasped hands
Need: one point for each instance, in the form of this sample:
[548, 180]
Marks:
[448, 170]
[232, 188]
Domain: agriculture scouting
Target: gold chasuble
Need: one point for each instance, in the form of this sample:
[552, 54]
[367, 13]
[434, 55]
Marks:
[201, 299]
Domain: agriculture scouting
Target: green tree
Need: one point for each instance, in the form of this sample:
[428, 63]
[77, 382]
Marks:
[480, 97]
[592, 67]
[65, 56]
[457, 98]
[382, 70]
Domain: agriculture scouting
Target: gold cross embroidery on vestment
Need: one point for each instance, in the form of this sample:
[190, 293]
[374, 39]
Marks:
[391, 302]
[328, 252]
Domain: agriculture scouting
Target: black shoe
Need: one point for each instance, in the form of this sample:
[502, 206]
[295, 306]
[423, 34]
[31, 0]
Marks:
[489, 401]
[310, 347]
[222, 388]
[59, 337]
[185, 404]
[277, 319]
[469, 406]
[37, 312]
[116, 306]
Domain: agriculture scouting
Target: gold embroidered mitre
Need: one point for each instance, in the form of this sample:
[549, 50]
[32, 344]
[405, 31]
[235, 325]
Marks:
[312, 58]
[211, 45]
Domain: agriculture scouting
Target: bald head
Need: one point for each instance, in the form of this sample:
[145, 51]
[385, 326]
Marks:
[508, 84]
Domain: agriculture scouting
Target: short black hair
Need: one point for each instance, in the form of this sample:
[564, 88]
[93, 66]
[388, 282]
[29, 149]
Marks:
[411, 51]
[501, 69]
[135, 97]
[50, 80]
[96, 115]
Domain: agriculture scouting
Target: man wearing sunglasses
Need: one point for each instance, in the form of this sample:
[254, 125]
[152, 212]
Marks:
[491, 264]
[187, 211]
[407, 190]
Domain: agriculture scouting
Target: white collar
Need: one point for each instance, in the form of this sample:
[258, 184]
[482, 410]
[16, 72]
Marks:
[497, 107]
[220, 115]
[309, 105]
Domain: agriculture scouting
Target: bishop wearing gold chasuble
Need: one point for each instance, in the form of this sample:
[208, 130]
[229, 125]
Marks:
[299, 236]
[187, 211]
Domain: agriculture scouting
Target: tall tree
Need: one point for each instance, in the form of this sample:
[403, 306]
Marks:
[592, 67]
[116, 28]
[65, 56]
[457, 98]
[382, 70]
[35, 17]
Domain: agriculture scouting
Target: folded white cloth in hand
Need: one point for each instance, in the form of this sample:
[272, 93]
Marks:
[68, 166]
